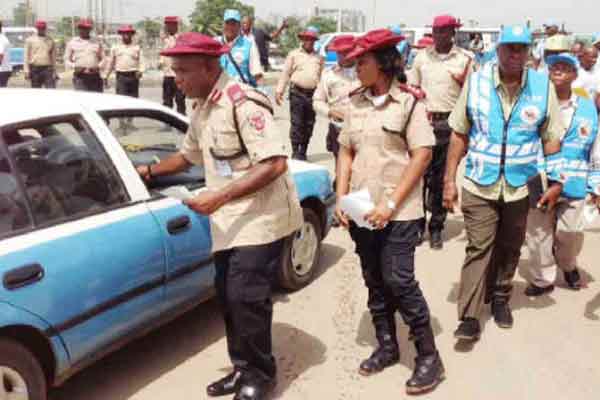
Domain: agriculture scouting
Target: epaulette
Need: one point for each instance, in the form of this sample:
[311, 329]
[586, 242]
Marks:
[215, 96]
[358, 90]
[236, 94]
[417, 93]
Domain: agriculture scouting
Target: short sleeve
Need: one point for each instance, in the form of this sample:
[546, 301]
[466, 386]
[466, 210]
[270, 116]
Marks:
[344, 136]
[259, 132]
[553, 128]
[419, 132]
[191, 148]
[458, 120]
[414, 74]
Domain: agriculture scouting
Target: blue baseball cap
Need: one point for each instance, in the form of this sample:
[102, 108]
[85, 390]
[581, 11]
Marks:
[516, 34]
[566, 58]
[396, 30]
[232, 15]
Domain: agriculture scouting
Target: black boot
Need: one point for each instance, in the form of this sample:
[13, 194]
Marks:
[435, 240]
[385, 355]
[429, 370]
[302, 148]
[256, 388]
[502, 313]
[228, 385]
[573, 279]
[295, 151]
[468, 329]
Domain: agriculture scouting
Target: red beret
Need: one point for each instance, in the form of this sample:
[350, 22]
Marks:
[375, 40]
[424, 42]
[40, 24]
[171, 19]
[126, 29]
[85, 23]
[342, 44]
[444, 21]
[195, 43]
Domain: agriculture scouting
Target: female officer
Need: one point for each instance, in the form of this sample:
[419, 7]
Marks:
[385, 147]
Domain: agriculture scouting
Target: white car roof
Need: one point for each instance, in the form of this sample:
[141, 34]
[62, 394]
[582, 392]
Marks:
[18, 105]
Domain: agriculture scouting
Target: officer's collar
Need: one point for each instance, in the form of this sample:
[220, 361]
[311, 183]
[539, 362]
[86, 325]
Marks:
[444, 56]
[393, 94]
[498, 82]
[216, 94]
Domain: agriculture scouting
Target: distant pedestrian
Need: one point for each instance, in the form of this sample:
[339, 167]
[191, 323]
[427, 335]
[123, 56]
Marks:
[588, 77]
[85, 55]
[127, 60]
[40, 58]
[169, 87]
[261, 38]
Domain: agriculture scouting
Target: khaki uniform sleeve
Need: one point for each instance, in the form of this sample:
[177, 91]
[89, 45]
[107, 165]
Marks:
[419, 132]
[320, 98]
[191, 148]
[344, 138]
[259, 132]
[286, 74]
[414, 74]
[553, 128]
[458, 120]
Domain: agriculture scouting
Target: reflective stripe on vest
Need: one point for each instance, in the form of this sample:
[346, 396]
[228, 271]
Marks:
[240, 51]
[497, 146]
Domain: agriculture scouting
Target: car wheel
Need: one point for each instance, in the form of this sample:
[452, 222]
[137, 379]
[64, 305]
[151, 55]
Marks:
[301, 253]
[21, 376]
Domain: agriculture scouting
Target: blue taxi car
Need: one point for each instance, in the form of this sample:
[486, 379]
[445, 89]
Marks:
[92, 257]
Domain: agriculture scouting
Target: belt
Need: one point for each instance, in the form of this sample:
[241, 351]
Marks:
[127, 73]
[41, 66]
[302, 90]
[438, 116]
[86, 71]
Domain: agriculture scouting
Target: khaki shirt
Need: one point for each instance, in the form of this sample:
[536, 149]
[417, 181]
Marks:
[262, 217]
[84, 53]
[165, 63]
[552, 129]
[302, 69]
[126, 58]
[40, 51]
[333, 91]
[382, 139]
[432, 72]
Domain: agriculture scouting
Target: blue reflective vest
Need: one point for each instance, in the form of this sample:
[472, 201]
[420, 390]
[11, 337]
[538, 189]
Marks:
[576, 148]
[498, 147]
[240, 51]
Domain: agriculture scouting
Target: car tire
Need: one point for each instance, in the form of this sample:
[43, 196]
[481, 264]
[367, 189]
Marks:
[301, 253]
[20, 372]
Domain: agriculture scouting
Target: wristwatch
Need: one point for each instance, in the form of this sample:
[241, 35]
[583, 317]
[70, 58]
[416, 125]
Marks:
[391, 205]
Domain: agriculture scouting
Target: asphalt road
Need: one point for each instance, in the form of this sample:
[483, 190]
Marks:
[323, 332]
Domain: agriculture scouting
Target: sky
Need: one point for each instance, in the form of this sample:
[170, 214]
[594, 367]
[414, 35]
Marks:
[579, 16]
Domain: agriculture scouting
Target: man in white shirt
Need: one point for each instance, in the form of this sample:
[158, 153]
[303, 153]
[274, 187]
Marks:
[588, 77]
[5, 67]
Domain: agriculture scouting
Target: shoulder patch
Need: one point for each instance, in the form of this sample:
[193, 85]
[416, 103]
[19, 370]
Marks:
[418, 93]
[236, 94]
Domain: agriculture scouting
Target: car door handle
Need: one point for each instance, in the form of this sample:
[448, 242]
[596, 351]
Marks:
[23, 276]
[178, 225]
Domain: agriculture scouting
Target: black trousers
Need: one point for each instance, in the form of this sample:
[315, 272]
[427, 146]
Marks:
[4, 78]
[244, 279]
[302, 116]
[171, 92]
[128, 84]
[332, 139]
[88, 82]
[43, 77]
[387, 259]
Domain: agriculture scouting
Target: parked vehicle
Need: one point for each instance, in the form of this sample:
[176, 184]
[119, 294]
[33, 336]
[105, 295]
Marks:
[17, 36]
[91, 257]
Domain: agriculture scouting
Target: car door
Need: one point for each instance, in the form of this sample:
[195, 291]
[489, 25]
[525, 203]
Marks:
[90, 262]
[148, 136]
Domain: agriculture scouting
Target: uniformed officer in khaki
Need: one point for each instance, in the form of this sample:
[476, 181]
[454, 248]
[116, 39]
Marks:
[331, 99]
[385, 148]
[303, 69]
[85, 55]
[40, 58]
[127, 60]
[170, 90]
[250, 198]
[441, 71]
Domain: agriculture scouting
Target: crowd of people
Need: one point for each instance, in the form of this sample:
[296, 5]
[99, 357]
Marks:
[526, 122]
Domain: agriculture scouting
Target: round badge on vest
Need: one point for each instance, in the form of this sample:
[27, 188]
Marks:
[585, 129]
[530, 114]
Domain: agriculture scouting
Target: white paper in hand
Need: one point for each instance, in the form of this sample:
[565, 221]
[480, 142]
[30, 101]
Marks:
[355, 205]
[177, 192]
[589, 215]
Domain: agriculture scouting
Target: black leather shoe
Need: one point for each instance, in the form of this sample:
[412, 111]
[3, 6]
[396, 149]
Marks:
[468, 329]
[573, 279]
[255, 389]
[435, 240]
[429, 372]
[535, 291]
[502, 314]
[228, 385]
[382, 357]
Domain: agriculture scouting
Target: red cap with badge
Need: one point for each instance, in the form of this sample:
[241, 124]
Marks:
[446, 21]
[424, 42]
[171, 19]
[375, 40]
[342, 44]
[191, 43]
[85, 23]
[40, 24]
[126, 29]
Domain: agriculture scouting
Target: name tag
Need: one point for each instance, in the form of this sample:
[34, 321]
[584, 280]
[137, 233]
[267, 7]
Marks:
[223, 168]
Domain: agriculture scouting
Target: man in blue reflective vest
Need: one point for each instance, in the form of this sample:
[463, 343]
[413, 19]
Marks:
[555, 238]
[242, 61]
[505, 114]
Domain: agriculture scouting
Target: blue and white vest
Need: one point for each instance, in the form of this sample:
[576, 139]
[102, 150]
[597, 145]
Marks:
[576, 148]
[241, 50]
[499, 147]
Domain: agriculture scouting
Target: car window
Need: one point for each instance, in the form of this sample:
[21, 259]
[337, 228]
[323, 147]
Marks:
[150, 138]
[64, 169]
[13, 208]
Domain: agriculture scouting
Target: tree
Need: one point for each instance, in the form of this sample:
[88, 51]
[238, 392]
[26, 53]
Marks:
[323, 24]
[208, 14]
[66, 26]
[289, 40]
[150, 28]
[23, 15]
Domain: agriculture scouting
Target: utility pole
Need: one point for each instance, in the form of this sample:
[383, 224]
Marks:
[374, 14]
